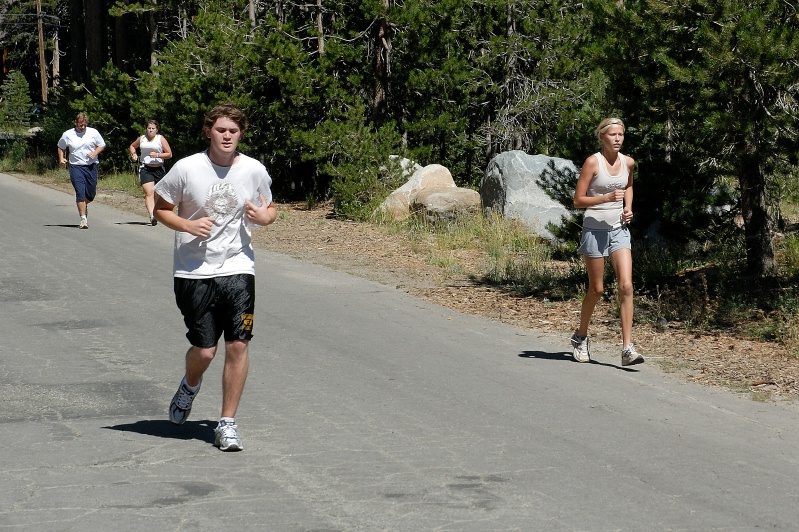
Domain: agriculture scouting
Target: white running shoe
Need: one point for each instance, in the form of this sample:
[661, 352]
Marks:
[630, 356]
[580, 345]
[227, 437]
[84, 223]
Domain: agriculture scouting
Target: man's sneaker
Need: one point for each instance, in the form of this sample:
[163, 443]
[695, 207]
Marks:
[84, 223]
[180, 407]
[630, 356]
[580, 345]
[227, 437]
[153, 221]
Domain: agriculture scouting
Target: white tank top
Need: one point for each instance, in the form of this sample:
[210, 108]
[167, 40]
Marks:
[146, 146]
[606, 215]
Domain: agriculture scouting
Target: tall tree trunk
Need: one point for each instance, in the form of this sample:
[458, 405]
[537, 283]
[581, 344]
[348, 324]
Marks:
[320, 28]
[757, 225]
[42, 64]
[123, 29]
[515, 140]
[96, 17]
[280, 14]
[152, 31]
[56, 61]
[77, 42]
[382, 66]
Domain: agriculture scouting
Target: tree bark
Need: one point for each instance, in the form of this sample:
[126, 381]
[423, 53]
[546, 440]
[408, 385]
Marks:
[122, 50]
[42, 64]
[320, 28]
[757, 224]
[56, 61]
[152, 32]
[382, 66]
[77, 41]
[96, 31]
[280, 14]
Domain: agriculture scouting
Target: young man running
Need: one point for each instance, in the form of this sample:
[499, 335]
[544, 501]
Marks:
[218, 193]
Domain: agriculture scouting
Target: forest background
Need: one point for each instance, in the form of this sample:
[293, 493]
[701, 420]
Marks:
[333, 88]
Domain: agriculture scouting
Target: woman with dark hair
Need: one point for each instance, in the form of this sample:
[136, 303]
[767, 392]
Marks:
[154, 150]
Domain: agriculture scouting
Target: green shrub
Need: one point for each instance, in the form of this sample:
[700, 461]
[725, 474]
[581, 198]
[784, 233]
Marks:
[357, 160]
[16, 102]
[790, 256]
[12, 154]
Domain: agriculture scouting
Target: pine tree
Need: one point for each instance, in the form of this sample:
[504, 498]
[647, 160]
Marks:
[711, 87]
[17, 102]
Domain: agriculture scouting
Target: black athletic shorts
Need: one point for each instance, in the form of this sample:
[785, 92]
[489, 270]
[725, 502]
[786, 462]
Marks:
[214, 306]
[151, 174]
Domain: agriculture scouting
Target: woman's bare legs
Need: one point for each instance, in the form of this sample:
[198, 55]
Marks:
[596, 272]
[622, 261]
[149, 197]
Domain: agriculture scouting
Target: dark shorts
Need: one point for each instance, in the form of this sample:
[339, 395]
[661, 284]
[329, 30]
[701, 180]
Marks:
[214, 306]
[602, 242]
[84, 181]
[151, 174]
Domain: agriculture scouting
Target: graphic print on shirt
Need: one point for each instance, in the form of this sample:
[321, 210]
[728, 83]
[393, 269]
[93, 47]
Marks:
[610, 187]
[222, 202]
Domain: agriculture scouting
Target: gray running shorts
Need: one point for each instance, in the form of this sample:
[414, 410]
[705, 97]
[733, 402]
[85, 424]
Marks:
[602, 242]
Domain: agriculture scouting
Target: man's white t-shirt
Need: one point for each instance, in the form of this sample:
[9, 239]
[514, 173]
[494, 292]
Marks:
[80, 144]
[200, 188]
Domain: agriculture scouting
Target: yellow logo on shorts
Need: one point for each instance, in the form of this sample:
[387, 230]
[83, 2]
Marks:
[246, 319]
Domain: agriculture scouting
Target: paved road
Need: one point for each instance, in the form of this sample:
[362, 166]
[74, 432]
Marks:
[365, 409]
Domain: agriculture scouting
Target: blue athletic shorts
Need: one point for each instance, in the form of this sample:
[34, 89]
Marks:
[602, 242]
[216, 306]
[84, 181]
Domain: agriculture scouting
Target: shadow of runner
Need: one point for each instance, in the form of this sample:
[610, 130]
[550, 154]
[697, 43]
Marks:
[567, 357]
[162, 428]
[546, 356]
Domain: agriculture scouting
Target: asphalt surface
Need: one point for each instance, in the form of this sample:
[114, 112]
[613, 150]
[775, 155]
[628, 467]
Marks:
[365, 408]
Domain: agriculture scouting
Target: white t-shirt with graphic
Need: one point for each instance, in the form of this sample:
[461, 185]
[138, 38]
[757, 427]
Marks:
[200, 188]
[80, 144]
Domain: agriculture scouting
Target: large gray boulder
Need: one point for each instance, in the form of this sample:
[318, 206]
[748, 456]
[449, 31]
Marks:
[511, 186]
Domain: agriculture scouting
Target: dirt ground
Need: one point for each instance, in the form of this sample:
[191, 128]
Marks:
[762, 370]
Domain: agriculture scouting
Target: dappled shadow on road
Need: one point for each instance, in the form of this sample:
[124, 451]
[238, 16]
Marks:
[567, 357]
[162, 428]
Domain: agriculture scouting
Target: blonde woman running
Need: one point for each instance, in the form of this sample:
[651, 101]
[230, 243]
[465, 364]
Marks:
[605, 190]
